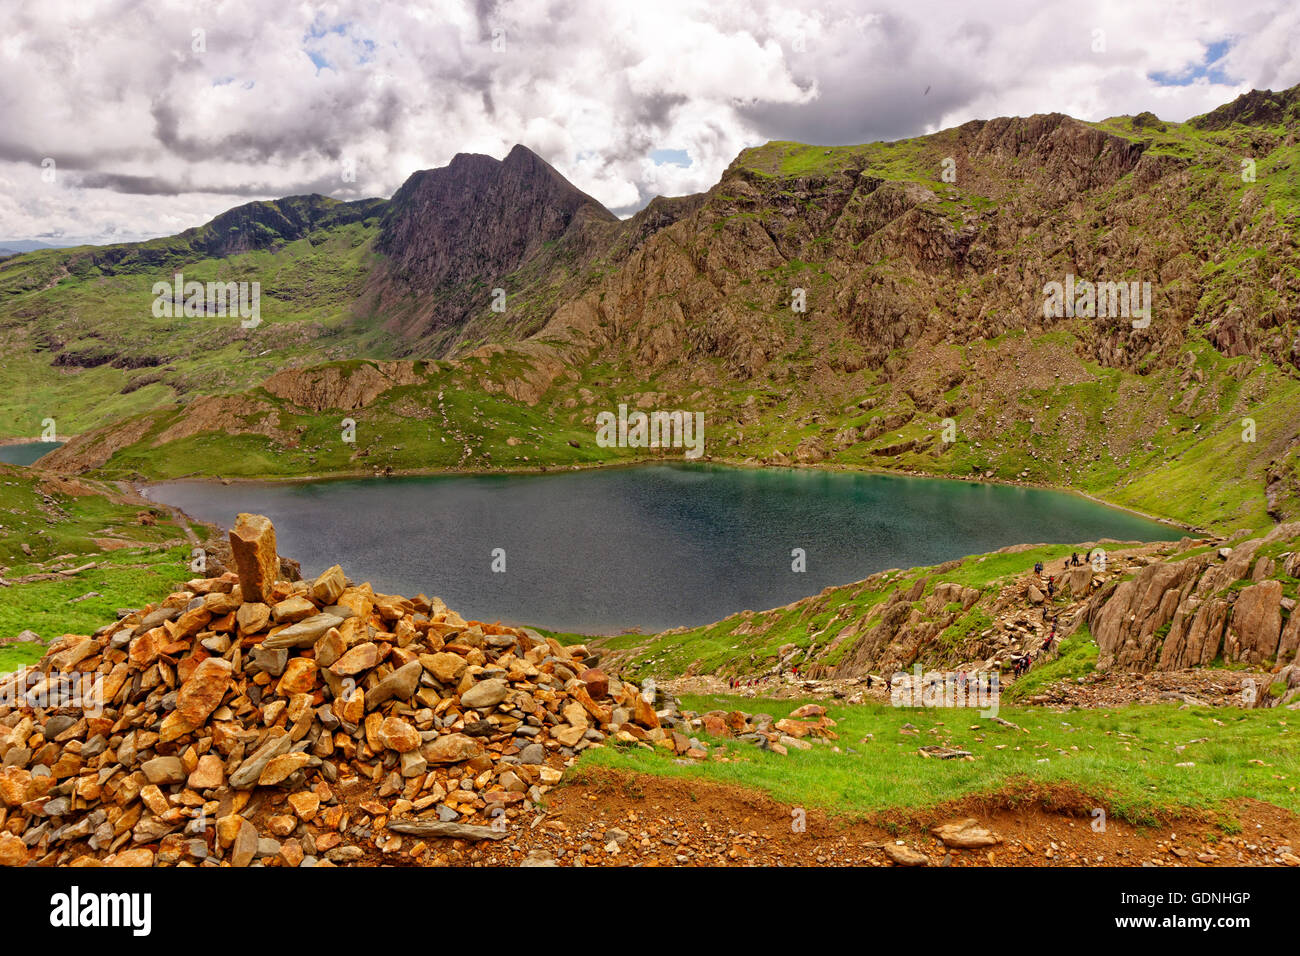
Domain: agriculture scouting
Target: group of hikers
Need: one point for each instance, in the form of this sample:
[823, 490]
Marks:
[735, 683]
[1021, 665]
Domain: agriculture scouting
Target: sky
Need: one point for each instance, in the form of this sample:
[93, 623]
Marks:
[126, 119]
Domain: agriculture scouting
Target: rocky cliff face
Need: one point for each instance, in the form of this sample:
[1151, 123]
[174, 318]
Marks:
[348, 386]
[1231, 605]
[891, 257]
[454, 234]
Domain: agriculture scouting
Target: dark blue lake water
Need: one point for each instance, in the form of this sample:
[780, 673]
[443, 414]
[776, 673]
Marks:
[651, 547]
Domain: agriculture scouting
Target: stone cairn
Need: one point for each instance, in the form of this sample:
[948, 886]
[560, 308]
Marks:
[246, 720]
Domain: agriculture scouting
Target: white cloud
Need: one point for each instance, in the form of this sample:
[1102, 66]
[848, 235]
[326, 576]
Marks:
[151, 136]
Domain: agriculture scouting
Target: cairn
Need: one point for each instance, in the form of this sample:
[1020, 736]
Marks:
[250, 719]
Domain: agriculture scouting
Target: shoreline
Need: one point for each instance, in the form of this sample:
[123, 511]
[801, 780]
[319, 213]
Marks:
[143, 489]
[36, 440]
[141, 486]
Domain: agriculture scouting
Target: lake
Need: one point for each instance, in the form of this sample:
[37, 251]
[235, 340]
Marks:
[27, 452]
[650, 546]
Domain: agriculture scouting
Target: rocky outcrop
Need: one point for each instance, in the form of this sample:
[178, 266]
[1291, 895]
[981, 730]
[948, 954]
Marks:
[344, 386]
[1220, 605]
[1129, 625]
[92, 449]
[1284, 691]
[898, 633]
[452, 235]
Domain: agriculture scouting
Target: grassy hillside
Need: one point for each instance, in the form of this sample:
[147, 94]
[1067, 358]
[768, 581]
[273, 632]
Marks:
[83, 346]
[1125, 758]
[134, 554]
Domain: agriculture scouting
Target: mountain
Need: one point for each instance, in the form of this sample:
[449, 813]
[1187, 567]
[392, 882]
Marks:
[12, 247]
[923, 267]
[450, 236]
[411, 276]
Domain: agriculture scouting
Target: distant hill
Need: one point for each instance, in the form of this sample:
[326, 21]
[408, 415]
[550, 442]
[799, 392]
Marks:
[12, 247]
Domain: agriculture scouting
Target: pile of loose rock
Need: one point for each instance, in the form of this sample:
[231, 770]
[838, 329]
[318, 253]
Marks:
[250, 720]
[247, 718]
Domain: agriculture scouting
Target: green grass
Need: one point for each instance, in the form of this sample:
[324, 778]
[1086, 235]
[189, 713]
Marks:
[47, 607]
[14, 656]
[60, 528]
[1124, 758]
[969, 625]
[67, 526]
[106, 314]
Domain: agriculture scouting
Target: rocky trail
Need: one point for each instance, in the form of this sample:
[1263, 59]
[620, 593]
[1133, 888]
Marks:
[607, 818]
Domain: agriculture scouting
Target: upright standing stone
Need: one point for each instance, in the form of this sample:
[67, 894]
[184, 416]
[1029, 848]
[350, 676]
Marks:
[252, 541]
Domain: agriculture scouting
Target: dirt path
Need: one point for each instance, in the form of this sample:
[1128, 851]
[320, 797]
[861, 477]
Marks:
[656, 821]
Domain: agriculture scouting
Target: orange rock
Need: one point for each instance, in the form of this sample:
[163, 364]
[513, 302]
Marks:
[15, 786]
[280, 768]
[201, 694]
[451, 748]
[396, 734]
[135, 858]
[144, 650]
[597, 682]
[13, 852]
[209, 773]
[252, 543]
[808, 710]
[305, 804]
[602, 715]
[643, 712]
[715, 726]
[282, 825]
[357, 659]
[299, 677]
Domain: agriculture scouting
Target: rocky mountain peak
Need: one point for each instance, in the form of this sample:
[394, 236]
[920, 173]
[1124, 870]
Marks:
[1255, 108]
[479, 217]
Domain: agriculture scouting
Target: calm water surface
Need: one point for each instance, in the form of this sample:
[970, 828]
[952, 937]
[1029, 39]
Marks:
[650, 547]
[26, 453]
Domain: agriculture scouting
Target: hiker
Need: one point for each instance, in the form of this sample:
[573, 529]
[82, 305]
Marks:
[1051, 586]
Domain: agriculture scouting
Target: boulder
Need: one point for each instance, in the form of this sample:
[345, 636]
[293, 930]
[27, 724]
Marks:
[966, 834]
[451, 748]
[484, 694]
[905, 855]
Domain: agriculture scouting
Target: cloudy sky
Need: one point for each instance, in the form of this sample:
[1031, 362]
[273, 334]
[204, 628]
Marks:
[124, 119]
